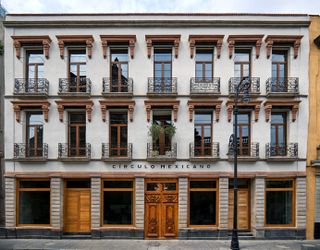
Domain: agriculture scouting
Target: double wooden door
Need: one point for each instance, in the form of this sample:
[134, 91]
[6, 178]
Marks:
[161, 209]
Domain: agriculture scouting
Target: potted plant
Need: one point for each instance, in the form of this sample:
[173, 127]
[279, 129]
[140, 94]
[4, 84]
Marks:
[170, 131]
[154, 131]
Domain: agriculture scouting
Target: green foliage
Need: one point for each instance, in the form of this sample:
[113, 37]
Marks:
[170, 130]
[155, 131]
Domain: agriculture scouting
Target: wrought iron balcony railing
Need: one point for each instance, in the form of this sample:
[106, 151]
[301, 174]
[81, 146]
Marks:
[254, 85]
[246, 152]
[31, 86]
[162, 86]
[282, 85]
[24, 151]
[205, 86]
[123, 86]
[280, 151]
[207, 152]
[70, 152]
[75, 86]
[118, 153]
[161, 152]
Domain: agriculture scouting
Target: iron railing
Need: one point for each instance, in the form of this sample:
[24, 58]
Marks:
[118, 151]
[75, 85]
[245, 151]
[208, 85]
[289, 150]
[111, 85]
[254, 85]
[23, 151]
[204, 151]
[282, 85]
[162, 85]
[161, 151]
[65, 150]
[25, 86]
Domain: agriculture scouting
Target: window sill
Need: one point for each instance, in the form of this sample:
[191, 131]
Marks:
[118, 227]
[34, 226]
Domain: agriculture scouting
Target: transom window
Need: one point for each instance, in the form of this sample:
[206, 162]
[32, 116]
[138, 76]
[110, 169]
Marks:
[204, 64]
[242, 63]
[203, 133]
[77, 70]
[119, 69]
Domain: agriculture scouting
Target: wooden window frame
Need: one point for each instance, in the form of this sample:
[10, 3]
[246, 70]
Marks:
[119, 83]
[165, 142]
[132, 190]
[118, 126]
[293, 190]
[203, 63]
[28, 126]
[240, 125]
[77, 126]
[36, 65]
[203, 125]
[249, 51]
[77, 64]
[18, 190]
[285, 126]
[216, 189]
[285, 63]
[163, 81]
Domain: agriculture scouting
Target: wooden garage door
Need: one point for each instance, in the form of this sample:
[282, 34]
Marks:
[243, 209]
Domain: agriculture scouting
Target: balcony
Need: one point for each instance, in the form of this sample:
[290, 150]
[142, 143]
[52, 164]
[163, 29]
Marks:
[246, 153]
[282, 152]
[117, 87]
[162, 87]
[161, 153]
[24, 152]
[31, 87]
[116, 154]
[254, 89]
[75, 87]
[70, 153]
[204, 87]
[282, 87]
[207, 153]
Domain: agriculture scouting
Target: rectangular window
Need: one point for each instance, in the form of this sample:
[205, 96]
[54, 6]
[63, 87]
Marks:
[119, 69]
[77, 70]
[34, 69]
[278, 145]
[203, 133]
[242, 63]
[163, 142]
[162, 70]
[280, 197]
[118, 202]
[203, 203]
[243, 132]
[204, 64]
[279, 70]
[118, 134]
[34, 134]
[33, 202]
[77, 134]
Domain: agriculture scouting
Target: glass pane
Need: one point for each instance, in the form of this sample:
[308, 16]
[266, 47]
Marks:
[246, 70]
[279, 207]
[35, 118]
[82, 137]
[118, 184]
[78, 184]
[273, 135]
[242, 183]
[204, 56]
[207, 135]
[35, 56]
[77, 56]
[123, 136]
[31, 71]
[82, 69]
[34, 207]
[237, 70]
[73, 139]
[274, 70]
[118, 118]
[198, 135]
[31, 137]
[242, 56]
[243, 118]
[117, 207]
[279, 56]
[169, 186]
[114, 136]
[203, 184]
[279, 184]
[119, 55]
[279, 118]
[162, 55]
[153, 186]
[203, 208]
[124, 71]
[203, 118]
[34, 184]
[40, 71]
[77, 118]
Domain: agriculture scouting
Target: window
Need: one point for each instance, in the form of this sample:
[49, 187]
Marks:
[77, 70]
[203, 203]
[162, 70]
[163, 142]
[118, 202]
[33, 199]
[279, 70]
[243, 138]
[278, 134]
[242, 63]
[118, 134]
[77, 134]
[280, 202]
[204, 64]
[34, 134]
[34, 69]
[203, 133]
[119, 70]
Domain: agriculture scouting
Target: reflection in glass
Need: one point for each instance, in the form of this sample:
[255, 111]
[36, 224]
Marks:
[203, 208]
[279, 207]
[119, 70]
[77, 70]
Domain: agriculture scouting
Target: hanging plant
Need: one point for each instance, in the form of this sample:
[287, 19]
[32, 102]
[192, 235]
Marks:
[170, 130]
[155, 131]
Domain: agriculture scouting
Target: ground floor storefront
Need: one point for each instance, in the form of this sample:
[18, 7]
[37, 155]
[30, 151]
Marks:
[154, 207]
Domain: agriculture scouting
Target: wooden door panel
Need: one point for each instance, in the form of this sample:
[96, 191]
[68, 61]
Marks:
[169, 218]
[243, 209]
[71, 214]
[152, 220]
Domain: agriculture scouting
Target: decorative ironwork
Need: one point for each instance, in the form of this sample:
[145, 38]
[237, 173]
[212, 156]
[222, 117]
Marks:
[65, 150]
[119, 151]
[24, 151]
[161, 152]
[123, 85]
[75, 85]
[282, 85]
[162, 85]
[254, 85]
[210, 85]
[32, 86]
[248, 151]
[282, 150]
[208, 151]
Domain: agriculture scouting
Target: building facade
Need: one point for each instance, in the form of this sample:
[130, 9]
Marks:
[118, 125]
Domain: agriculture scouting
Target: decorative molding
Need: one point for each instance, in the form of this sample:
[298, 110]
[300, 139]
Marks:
[256, 105]
[62, 105]
[216, 105]
[19, 41]
[19, 105]
[174, 39]
[293, 105]
[207, 39]
[294, 41]
[114, 39]
[162, 103]
[104, 105]
[233, 39]
[75, 39]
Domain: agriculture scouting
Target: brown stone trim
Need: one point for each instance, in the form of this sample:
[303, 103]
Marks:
[174, 39]
[293, 105]
[162, 103]
[104, 105]
[62, 105]
[204, 103]
[295, 41]
[19, 41]
[255, 105]
[214, 39]
[107, 39]
[75, 39]
[233, 39]
[19, 105]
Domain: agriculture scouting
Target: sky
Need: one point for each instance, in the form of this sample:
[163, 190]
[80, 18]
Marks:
[138, 6]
